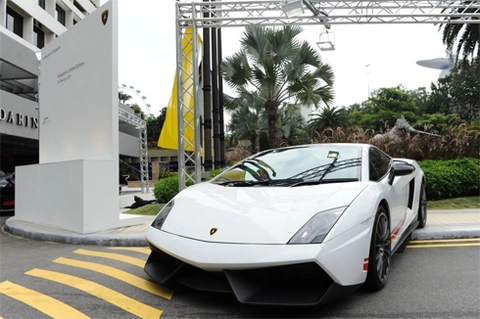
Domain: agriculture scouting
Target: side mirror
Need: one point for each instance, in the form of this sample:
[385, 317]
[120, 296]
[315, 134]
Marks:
[399, 168]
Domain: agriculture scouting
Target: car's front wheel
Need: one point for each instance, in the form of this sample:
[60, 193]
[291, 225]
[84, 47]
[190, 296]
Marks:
[380, 252]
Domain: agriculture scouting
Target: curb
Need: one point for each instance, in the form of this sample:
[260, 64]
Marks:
[35, 232]
[450, 232]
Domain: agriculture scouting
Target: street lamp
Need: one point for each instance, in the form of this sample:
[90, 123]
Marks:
[325, 42]
[293, 8]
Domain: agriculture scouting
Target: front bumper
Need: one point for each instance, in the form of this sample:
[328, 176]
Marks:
[262, 274]
[304, 284]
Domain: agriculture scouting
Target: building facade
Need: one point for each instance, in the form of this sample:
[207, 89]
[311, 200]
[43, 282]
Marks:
[26, 26]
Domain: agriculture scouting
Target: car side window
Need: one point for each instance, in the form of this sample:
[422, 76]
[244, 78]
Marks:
[379, 164]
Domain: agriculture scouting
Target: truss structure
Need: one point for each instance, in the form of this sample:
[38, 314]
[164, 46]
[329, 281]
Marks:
[221, 14]
[141, 125]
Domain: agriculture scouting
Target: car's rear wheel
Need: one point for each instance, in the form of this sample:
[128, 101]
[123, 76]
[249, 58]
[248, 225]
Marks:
[422, 207]
[380, 252]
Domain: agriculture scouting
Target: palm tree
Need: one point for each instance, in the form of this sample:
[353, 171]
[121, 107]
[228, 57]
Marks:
[247, 119]
[331, 117]
[465, 36]
[123, 97]
[278, 68]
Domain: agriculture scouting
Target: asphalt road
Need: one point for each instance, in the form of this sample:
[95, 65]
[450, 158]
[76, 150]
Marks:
[431, 281]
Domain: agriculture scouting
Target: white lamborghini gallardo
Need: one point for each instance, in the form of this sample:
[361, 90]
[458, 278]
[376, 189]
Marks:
[300, 225]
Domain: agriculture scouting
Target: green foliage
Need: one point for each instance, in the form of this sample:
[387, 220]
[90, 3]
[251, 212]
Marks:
[166, 188]
[452, 178]
[384, 107]
[154, 127]
[146, 210]
[273, 67]
[458, 92]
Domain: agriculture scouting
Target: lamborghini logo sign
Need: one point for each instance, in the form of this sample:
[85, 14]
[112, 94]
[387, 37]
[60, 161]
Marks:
[104, 17]
[213, 231]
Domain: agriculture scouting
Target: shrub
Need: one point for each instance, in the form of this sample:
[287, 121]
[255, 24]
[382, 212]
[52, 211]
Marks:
[452, 178]
[166, 188]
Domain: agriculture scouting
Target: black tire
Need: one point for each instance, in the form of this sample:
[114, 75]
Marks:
[422, 207]
[380, 252]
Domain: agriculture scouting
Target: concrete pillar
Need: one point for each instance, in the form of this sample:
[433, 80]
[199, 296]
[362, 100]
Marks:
[155, 170]
[3, 13]
[28, 29]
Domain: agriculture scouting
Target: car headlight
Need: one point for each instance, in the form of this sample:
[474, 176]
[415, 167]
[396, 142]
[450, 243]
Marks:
[162, 215]
[317, 228]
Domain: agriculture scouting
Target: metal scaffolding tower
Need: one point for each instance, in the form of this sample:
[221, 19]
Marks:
[141, 126]
[221, 14]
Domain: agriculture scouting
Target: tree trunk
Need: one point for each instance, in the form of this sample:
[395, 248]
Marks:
[272, 119]
[256, 141]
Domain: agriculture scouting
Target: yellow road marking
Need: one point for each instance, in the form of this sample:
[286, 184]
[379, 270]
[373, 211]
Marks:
[127, 259]
[120, 275]
[126, 303]
[438, 243]
[142, 250]
[46, 304]
[452, 240]
[443, 245]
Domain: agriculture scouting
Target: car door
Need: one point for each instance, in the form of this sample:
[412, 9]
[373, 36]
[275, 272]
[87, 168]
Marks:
[380, 165]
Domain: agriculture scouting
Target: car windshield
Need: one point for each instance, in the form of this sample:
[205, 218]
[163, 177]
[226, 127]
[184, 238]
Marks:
[295, 166]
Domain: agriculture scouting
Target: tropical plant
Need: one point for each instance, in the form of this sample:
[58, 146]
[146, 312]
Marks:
[154, 127]
[332, 117]
[462, 39]
[383, 108]
[123, 97]
[459, 92]
[247, 118]
[277, 68]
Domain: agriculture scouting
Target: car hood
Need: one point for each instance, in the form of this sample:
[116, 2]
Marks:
[256, 215]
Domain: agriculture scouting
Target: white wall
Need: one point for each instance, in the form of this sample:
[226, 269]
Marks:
[75, 186]
[78, 91]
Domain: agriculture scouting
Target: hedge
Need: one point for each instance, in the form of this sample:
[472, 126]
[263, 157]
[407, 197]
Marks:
[166, 188]
[451, 178]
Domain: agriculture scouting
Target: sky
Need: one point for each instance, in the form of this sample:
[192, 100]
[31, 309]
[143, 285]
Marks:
[366, 57]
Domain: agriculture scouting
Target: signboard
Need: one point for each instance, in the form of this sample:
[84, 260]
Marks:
[78, 106]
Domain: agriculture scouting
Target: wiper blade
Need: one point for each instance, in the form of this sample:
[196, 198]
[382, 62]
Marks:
[324, 181]
[245, 183]
[268, 182]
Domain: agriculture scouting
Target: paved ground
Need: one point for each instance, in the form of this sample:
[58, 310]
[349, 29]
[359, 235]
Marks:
[441, 224]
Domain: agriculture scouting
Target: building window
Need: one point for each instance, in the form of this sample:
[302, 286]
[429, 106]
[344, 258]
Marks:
[60, 14]
[41, 4]
[38, 37]
[14, 22]
[79, 7]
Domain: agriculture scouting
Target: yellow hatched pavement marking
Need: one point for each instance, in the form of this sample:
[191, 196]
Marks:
[120, 275]
[126, 303]
[127, 259]
[46, 304]
[142, 250]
